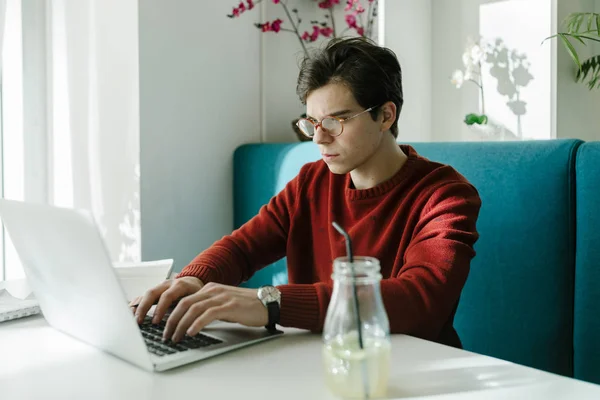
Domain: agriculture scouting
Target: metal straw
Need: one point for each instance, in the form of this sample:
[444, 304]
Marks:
[355, 295]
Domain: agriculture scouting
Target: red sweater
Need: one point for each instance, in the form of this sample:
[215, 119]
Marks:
[420, 224]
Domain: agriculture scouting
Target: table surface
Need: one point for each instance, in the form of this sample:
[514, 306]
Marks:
[37, 361]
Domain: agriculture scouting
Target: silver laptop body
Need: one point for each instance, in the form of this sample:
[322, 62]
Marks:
[69, 270]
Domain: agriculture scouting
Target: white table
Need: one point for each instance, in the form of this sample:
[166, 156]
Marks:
[37, 362]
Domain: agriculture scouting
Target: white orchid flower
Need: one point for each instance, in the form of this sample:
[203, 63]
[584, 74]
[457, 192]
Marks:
[457, 78]
[466, 59]
[476, 54]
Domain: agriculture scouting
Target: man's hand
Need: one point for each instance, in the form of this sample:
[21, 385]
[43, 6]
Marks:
[215, 302]
[165, 294]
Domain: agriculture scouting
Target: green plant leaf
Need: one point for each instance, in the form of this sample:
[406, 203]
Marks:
[592, 38]
[576, 37]
[574, 21]
[590, 67]
[570, 49]
[471, 119]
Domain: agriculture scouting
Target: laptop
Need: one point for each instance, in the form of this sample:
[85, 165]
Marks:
[69, 270]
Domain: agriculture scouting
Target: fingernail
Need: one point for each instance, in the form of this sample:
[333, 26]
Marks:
[155, 320]
[189, 332]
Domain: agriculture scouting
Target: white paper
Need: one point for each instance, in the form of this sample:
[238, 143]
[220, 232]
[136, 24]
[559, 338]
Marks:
[137, 277]
[17, 288]
[159, 269]
[9, 303]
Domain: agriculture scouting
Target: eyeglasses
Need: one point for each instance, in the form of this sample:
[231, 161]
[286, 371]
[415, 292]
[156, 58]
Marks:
[334, 126]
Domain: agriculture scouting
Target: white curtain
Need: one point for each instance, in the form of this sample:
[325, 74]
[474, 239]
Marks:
[2, 14]
[94, 124]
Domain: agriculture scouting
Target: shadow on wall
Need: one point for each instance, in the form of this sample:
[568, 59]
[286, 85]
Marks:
[511, 70]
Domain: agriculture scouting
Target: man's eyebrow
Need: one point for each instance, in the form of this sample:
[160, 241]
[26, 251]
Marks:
[333, 114]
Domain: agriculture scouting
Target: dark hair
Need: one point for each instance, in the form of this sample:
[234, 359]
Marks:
[371, 72]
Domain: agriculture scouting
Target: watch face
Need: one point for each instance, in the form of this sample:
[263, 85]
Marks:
[269, 294]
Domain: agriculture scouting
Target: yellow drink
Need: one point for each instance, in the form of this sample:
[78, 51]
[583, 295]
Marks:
[346, 366]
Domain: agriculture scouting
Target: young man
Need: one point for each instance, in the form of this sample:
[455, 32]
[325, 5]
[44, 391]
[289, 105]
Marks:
[416, 216]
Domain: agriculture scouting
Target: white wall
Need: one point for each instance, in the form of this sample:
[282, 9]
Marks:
[281, 56]
[451, 27]
[577, 108]
[408, 32]
[199, 100]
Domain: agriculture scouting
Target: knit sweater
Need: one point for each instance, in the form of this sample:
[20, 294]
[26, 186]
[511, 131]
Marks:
[420, 224]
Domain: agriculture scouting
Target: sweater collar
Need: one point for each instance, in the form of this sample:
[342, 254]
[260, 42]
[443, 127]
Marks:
[403, 174]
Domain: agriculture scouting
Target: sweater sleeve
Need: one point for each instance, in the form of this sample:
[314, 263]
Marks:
[259, 242]
[420, 297]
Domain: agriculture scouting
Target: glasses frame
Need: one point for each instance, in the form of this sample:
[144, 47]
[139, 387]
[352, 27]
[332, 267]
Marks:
[316, 124]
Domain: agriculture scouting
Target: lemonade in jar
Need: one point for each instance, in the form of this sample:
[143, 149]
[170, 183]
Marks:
[356, 343]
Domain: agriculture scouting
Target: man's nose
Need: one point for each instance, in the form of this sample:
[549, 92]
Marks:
[321, 135]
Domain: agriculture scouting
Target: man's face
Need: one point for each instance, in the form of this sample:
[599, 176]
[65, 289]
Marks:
[361, 136]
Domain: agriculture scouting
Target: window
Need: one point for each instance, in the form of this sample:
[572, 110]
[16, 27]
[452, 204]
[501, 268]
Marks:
[519, 82]
[13, 169]
[70, 132]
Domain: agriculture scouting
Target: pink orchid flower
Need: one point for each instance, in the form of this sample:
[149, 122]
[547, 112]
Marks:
[276, 25]
[327, 32]
[351, 21]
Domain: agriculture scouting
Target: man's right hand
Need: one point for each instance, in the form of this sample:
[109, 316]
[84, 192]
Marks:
[164, 295]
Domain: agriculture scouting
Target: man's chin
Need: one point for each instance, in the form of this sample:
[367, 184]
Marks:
[337, 169]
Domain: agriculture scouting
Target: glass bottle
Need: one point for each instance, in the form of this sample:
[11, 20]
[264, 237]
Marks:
[352, 372]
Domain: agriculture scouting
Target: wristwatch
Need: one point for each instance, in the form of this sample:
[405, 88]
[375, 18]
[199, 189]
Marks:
[270, 296]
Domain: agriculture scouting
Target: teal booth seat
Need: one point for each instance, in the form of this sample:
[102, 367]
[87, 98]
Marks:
[586, 343]
[518, 301]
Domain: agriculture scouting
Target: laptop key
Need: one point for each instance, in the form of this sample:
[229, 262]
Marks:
[152, 334]
[198, 341]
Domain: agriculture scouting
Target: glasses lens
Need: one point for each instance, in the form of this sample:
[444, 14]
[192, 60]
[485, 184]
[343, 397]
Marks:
[306, 127]
[332, 126]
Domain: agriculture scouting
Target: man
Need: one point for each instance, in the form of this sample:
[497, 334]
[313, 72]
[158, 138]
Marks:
[416, 216]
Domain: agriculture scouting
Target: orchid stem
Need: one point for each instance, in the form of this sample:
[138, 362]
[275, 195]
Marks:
[332, 22]
[287, 12]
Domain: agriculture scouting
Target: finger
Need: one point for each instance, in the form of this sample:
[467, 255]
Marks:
[176, 291]
[207, 291]
[148, 300]
[186, 318]
[220, 312]
[135, 302]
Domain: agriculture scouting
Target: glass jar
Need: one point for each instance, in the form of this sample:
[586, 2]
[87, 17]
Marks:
[352, 371]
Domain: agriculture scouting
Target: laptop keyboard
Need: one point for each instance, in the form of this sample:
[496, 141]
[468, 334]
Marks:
[152, 334]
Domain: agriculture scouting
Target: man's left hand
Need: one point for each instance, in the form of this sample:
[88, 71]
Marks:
[215, 302]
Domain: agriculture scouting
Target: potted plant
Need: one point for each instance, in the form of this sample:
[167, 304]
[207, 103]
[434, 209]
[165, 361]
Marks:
[582, 27]
[359, 21]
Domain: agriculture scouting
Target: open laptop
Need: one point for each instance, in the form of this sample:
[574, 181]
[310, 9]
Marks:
[69, 270]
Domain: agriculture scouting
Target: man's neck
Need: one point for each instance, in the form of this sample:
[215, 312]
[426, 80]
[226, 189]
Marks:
[384, 164]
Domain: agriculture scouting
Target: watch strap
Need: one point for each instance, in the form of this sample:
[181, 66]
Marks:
[273, 311]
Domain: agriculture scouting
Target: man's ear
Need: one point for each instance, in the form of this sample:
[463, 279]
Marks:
[388, 111]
